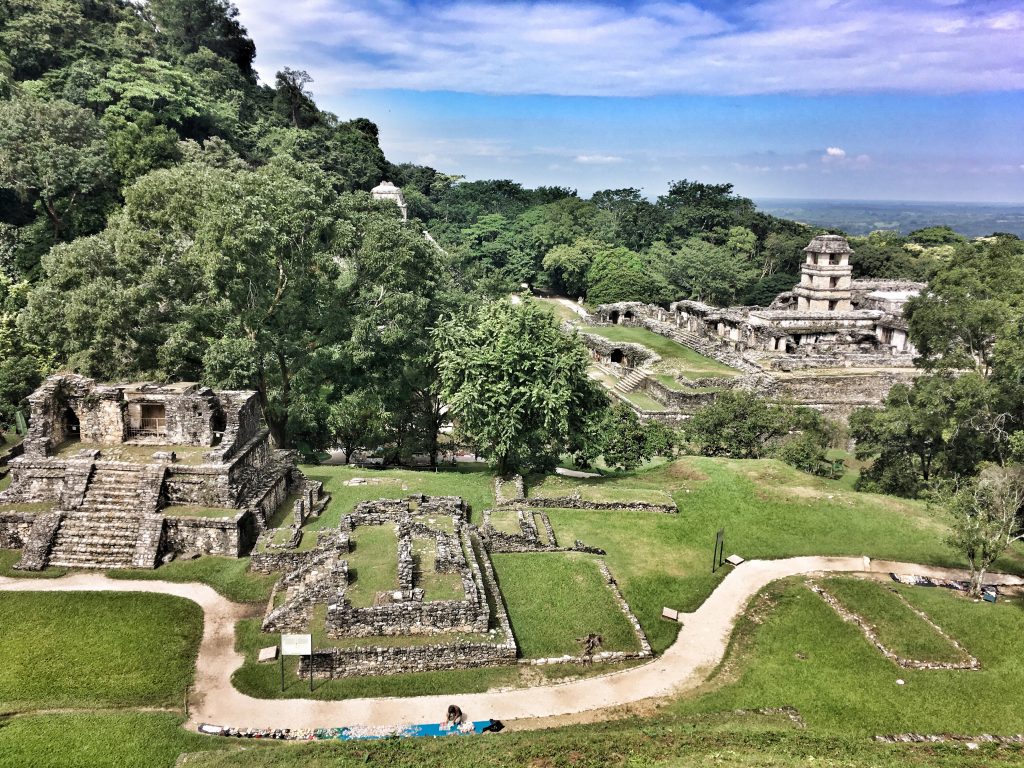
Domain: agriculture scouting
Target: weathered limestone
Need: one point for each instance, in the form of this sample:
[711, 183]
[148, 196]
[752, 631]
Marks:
[130, 465]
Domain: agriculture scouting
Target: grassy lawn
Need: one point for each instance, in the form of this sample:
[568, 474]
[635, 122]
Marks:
[8, 557]
[184, 454]
[40, 506]
[506, 520]
[642, 400]
[680, 358]
[669, 382]
[96, 649]
[474, 483]
[553, 599]
[373, 563]
[230, 576]
[604, 489]
[726, 739]
[897, 626]
[436, 586]
[5, 479]
[101, 740]
[794, 650]
[768, 510]
[283, 516]
[186, 511]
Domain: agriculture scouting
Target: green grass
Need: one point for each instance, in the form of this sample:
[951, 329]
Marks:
[5, 479]
[373, 563]
[283, 515]
[725, 739]
[184, 454]
[474, 483]
[506, 520]
[897, 627]
[670, 382]
[642, 400]
[228, 575]
[40, 506]
[794, 650]
[680, 358]
[554, 598]
[8, 557]
[101, 740]
[187, 511]
[602, 489]
[436, 586]
[768, 510]
[96, 649]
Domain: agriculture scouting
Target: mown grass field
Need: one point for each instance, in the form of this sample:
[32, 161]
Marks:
[95, 649]
[555, 598]
[682, 359]
[373, 563]
[896, 625]
[792, 649]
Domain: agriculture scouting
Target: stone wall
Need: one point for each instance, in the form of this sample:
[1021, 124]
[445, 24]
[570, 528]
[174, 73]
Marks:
[14, 529]
[575, 502]
[838, 395]
[230, 537]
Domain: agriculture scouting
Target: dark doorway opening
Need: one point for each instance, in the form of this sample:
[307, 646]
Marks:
[72, 426]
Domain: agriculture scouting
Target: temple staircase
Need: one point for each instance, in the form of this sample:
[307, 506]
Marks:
[96, 539]
[631, 380]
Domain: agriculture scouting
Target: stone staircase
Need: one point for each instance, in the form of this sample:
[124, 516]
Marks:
[687, 339]
[116, 487]
[97, 539]
[631, 380]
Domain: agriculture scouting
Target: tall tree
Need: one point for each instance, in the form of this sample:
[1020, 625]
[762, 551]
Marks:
[517, 385]
[52, 153]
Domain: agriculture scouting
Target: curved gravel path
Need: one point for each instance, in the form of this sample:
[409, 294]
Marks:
[700, 646]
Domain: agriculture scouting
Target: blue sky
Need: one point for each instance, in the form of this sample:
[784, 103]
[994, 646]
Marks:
[784, 98]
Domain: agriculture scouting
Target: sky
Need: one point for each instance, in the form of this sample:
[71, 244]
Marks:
[830, 99]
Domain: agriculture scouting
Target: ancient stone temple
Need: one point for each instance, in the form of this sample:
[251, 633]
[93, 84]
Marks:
[124, 475]
[388, 191]
[827, 320]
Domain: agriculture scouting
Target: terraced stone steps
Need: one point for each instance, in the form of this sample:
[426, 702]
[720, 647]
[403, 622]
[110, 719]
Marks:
[631, 380]
[96, 540]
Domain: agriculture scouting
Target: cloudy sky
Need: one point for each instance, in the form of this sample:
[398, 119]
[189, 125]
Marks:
[859, 99]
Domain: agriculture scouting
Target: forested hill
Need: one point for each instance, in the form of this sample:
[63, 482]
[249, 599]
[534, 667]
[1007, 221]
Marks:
[164, 215]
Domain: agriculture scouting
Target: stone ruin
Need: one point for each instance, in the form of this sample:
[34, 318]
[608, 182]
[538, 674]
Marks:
[129, 475]
[832, 342]
[470, 630]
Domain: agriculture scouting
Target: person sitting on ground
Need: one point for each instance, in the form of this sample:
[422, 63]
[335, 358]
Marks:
[453, 719]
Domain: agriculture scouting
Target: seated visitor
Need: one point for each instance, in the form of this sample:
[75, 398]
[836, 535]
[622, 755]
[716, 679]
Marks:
[453, 719]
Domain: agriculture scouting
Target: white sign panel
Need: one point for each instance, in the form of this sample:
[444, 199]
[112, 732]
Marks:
[296, 645]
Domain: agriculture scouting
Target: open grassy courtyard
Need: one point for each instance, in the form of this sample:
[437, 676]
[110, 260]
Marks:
[679, 358]
[791, 650]
[95, 649]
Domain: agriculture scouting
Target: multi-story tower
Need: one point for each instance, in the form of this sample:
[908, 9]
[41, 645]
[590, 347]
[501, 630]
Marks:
[826, 276]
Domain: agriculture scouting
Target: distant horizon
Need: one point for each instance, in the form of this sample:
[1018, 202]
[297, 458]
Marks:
[866, 100]
[976, 203]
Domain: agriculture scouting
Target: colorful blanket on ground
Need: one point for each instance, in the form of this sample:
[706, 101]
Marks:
[354, 733]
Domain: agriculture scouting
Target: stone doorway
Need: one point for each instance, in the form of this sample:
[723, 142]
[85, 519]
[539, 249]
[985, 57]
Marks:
[72, 426]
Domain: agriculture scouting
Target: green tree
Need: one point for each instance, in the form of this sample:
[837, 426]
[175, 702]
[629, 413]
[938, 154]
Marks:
[985, 518]
[188, 25]
[52, 153]
[357, 420]
[619, 274]
[739, 424]
[627, 442]
[516, 385]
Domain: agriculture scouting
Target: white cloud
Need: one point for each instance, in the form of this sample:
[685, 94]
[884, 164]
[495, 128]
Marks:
[835, 152]
[591, 48]
[598, 159]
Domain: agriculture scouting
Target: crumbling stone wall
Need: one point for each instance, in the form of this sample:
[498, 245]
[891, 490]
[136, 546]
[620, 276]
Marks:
[230, 537]
[15, 528]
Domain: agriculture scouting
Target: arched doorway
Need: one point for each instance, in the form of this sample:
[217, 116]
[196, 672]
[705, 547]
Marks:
[613, 318]
[628, 315]
[617, 357]
[72, 426]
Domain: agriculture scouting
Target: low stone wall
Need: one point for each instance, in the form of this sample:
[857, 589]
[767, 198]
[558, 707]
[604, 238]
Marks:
[637, 355]
[34, 480]
[230, 537]
[683, 402]
[575, 502]
[507, 491]
[14, 529]
[376, 660]
[838, 395]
